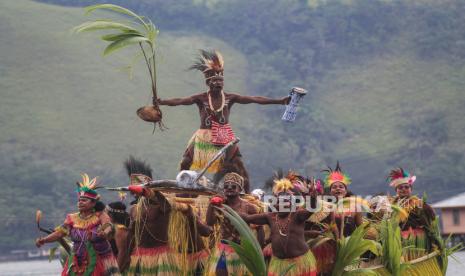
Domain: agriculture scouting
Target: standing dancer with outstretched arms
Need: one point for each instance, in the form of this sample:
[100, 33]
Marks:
[214, 109]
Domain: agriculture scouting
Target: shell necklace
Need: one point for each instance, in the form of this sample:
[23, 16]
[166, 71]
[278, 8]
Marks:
[285, 227]
[223, 101]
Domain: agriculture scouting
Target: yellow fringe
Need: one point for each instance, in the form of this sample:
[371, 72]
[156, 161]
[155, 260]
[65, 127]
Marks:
[139, 224]
[179, 239]
[84, 223]
[204, 151]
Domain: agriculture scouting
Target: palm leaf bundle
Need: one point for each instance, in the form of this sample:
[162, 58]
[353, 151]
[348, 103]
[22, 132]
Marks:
[349, 250]
[392, 243]
[138, 31]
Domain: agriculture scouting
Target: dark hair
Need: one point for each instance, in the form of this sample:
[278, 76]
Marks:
[99, 206]
[121, 217]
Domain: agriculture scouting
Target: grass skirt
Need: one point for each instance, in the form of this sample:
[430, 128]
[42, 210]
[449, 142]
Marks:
[197, 261]
[153, 261]
[325, 255]
[104, 266]
[304, 265]
[203, 151]
[234, 264]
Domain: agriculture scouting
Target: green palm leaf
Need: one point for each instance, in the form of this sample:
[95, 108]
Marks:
[115, 37]
[102, 25]
[119, 44]
[115, 8]
[349, 249]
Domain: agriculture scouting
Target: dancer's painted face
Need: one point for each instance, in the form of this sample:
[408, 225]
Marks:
[231, 189]
[85, 204]
[338, 189]
[404, 190]
[216, 84]
[285, 201]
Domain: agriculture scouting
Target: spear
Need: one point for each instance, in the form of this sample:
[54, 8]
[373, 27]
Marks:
[173, 185]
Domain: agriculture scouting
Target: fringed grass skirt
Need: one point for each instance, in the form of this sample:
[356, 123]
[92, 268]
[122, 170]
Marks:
[204, 151]
[223, 256]
[105, 265]
[304, 265]
[153, 261]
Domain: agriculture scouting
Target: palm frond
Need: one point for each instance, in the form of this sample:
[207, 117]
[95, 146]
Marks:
[115, 8]
[138, 31]
[349, 249]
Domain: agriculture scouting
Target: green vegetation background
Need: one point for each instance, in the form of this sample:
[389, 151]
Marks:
[385, 78]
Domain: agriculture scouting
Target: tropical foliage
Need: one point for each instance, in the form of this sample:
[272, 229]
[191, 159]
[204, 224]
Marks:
[391, 242]
[138, 31]
[349, 250]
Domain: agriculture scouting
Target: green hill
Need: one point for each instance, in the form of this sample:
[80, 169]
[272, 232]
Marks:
[66, 110]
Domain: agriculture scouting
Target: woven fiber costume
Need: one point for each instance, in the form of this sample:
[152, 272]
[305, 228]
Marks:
[166, 230]
[148, 231]
[92, 253]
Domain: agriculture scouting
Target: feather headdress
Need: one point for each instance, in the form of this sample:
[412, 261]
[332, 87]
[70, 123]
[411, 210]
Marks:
[400, 176]
[297, 180]
[87, 187]
[138, 171]
[282, 185]
[336, 175]
[210, 63]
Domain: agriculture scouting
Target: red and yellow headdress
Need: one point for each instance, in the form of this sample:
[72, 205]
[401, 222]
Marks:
[336, 175]
[282, 185]
[210, 63]
[87, 187]
[297, 181]
[400, 176]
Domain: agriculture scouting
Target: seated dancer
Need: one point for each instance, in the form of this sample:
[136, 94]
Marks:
[420, 215]
[89, 230]
[164, 233]
[224, 260]
[120, 219]
[214, 109]
[287, 225]
[347, 219]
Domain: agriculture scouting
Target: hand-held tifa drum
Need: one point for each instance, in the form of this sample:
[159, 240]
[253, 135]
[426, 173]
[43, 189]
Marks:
[296, 94]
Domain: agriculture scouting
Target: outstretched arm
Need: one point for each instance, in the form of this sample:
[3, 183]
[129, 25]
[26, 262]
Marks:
[53, 237]
[258, 219]
[178, 101]
[236, 98]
